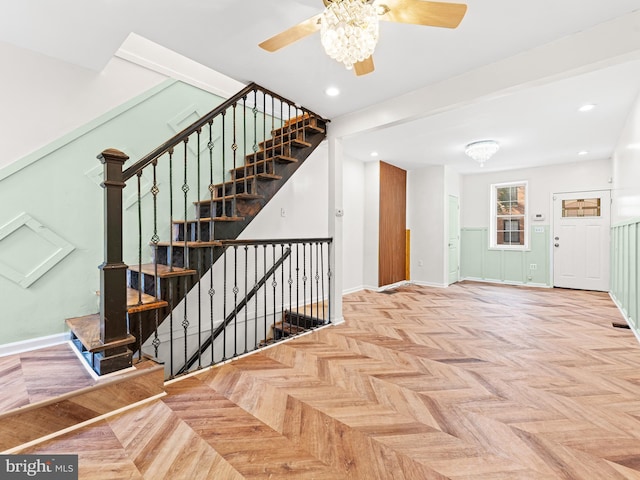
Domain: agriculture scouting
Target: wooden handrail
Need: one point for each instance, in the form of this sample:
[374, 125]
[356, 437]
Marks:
[184, 134]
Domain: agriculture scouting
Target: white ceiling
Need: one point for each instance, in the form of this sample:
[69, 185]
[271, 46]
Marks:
[537, 125]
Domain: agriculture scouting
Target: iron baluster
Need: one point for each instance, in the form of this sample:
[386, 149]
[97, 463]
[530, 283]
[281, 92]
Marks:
[255, 303]
[255, 135]
[274, 284]
[265, 146]
[304, 277]
[170, 251]
[211, 185]
[273, 142]
[224, 303]
[212, 292]
[282, 283]
[318, 298]
[234, 148]
[198, 197]
[246, 292]
[297, 280]
[224, 167]
[235, 300]
[324, 318]
[290, 282]
[154, 240]
[244, 144]
[264, 261]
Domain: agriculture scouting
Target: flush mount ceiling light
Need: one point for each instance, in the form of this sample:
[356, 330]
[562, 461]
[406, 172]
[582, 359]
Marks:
[586, 108]
[482, 150]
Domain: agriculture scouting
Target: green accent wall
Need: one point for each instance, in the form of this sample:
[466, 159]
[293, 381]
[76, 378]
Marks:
[51, 219]
[625, 270]
[478, 262]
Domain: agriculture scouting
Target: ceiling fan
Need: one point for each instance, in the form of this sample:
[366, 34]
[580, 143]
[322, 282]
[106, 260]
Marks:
[349, 28]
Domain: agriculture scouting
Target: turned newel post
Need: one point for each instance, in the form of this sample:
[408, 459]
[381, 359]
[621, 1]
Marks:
[114, 331]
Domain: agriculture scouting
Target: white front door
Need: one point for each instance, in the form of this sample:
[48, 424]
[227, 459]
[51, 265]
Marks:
[581, 237]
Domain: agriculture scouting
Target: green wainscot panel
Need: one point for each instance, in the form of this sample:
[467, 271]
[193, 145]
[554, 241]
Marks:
[513, 266]
[492, 265]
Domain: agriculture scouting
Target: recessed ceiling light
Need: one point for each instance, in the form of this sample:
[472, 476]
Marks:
[374, 154]
[588, 107]
[332, 91]
[583, 152]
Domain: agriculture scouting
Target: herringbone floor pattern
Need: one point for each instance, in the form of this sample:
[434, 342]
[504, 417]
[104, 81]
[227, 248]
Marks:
[470, 382]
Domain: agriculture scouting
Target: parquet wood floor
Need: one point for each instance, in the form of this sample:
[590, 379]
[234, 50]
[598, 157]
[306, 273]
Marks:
[475, 381]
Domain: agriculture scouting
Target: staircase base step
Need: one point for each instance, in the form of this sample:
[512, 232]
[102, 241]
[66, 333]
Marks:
[89, 400]
[87, 330]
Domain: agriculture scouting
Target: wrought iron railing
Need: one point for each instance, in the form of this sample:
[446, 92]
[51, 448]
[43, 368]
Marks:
[194, 195]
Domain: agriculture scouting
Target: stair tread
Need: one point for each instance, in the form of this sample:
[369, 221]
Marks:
[249, 178]
[289, 327]
[296, 142]
[227, 198]
[87, 330]
[277, 158]
[140, 302]
[164, 271]
[190, 244]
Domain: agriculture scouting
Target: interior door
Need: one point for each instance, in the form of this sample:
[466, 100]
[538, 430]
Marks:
[581, 239]
[454, 240]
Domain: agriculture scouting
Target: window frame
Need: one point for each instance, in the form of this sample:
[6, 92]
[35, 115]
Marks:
[493, 214]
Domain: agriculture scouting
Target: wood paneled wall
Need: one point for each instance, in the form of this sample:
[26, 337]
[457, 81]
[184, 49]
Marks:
[393, 224]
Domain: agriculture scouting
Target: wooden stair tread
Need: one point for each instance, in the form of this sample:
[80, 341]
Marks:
[248, 178]
[227, 198]
[141, 302]
[164, 271]
[270, 145]
[206, 220]
[289, 327]
[192, 244]
[277, 158]
[87, 330]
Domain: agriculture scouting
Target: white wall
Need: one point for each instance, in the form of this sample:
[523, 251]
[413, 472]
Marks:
[371, 225]
[304, 200]
[426, 212]
[353, 226]
[626, 170]
[543, 181]
[43, 98]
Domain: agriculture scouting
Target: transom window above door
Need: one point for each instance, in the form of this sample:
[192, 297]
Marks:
[581, 207]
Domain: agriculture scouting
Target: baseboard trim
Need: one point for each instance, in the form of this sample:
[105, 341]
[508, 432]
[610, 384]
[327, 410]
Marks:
[429, 284]
[502, 282]
[33, 344]
[625, 316]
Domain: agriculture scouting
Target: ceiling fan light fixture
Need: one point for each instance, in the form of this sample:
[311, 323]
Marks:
[482, 150]
[349, 31]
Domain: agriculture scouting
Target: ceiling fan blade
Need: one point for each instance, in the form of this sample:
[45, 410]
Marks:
[364, 67]
[421, 12]
[291, 35]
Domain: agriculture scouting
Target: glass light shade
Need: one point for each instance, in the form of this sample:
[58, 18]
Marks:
[482, 151]
[349, 31]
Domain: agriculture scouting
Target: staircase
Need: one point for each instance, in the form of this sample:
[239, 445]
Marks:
[156, 286]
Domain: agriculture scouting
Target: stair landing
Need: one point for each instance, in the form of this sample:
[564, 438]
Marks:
[49, 390]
